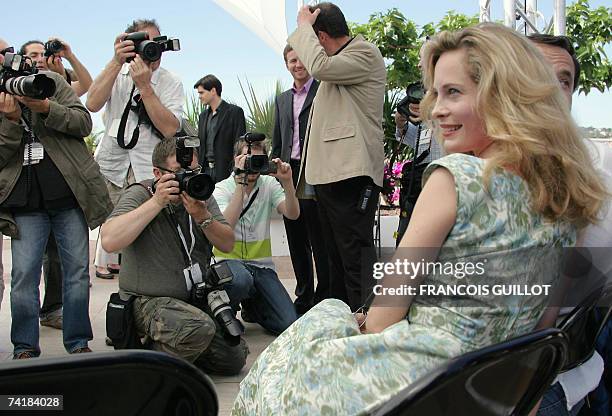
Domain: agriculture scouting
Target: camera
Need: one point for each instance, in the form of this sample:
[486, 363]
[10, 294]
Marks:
[211, 289]
[256, 163]
[197, 185]
[19, 76]
[151, 50]
[414, 94]
[53, 47]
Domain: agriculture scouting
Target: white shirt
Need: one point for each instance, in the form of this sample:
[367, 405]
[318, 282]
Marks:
[115, 161]
[577, 383]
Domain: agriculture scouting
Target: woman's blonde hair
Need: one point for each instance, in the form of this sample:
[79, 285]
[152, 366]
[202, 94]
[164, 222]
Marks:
[527, 117]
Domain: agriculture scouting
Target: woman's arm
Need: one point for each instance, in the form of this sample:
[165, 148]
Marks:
[433, 218]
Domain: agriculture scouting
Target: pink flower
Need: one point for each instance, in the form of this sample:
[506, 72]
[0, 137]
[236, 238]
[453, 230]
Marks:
[395, 196]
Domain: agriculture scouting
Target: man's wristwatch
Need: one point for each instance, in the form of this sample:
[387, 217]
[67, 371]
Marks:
[204, 224]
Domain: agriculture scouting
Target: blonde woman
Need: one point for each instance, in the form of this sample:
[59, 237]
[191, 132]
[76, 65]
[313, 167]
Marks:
[516, 185]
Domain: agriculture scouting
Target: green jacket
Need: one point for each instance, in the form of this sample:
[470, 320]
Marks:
[61, 133]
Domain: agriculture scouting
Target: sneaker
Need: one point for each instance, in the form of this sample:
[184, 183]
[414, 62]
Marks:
[52, 319]
[81, 350]
[108, 341]
[23, 355]
[246, 316]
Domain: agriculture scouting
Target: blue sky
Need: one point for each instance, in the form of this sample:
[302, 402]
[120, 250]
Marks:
[213, 42]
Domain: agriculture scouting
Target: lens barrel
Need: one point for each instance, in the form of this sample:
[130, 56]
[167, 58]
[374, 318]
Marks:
[200, 186]
[35, 86]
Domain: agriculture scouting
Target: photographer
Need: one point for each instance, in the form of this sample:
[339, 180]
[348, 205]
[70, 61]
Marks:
[48, 182]
[80, 81]
[144, 103]
[409, 131]
[247, 200]
[79, 78]
[157, 229]
[4, 47]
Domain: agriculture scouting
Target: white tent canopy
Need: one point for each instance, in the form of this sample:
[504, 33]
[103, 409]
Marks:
[266, 18]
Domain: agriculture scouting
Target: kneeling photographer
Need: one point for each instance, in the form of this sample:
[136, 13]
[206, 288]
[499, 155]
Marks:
[165, 229]
[247, 199]
[411, 132]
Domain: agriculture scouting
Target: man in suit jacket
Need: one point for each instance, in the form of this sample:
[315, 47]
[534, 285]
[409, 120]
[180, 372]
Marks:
[218, 128]
[343, 153]
[303, 234]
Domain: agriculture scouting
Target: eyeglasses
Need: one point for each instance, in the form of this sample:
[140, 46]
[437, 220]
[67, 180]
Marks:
[4, 51]
[195, 170]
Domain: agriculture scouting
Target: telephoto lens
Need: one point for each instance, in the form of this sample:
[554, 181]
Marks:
[37, 86]
[149, 50]
[198, 186]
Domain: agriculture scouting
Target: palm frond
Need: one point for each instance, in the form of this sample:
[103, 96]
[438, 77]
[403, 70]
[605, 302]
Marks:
[260, 116]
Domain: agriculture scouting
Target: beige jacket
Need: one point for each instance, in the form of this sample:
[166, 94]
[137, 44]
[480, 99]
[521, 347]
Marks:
[344, 137]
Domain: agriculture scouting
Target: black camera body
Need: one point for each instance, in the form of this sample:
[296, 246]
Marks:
[414, 94]
[53, 47]
[254, 164]
[259, 164]
[19, 76]
[151, 50]
[197, 185]
[211, 290]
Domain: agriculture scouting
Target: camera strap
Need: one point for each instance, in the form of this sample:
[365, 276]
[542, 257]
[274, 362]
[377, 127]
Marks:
[186, 251]
[245, 209]
[123, 123]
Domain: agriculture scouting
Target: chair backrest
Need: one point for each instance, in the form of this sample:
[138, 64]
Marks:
[583, 325]
[500, 380]
[129, 382]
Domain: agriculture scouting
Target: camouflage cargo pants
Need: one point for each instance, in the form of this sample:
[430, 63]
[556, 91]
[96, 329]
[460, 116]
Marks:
[178, 328]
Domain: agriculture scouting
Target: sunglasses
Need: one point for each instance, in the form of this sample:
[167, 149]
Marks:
[196, 170]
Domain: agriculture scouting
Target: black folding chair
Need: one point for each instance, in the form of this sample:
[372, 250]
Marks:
[130, 382]
[584, 324]
[500, 380]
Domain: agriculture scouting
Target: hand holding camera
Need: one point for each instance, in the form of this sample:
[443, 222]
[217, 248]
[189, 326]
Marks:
[196, 208]
[400, 120]
[9, 107]
[124, 49]
[34, 104]
[166, 190]
[141, 73]
[283, 171]
[59, 48]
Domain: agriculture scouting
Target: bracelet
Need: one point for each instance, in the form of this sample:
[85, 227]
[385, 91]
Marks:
[204, 224]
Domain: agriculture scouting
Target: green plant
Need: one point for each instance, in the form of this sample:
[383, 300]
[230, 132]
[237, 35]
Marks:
[591, 30]
[91, 141]
[193, 109]
[261, 112]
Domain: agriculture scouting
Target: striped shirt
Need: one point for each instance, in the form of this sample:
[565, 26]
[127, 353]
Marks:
[252, 232]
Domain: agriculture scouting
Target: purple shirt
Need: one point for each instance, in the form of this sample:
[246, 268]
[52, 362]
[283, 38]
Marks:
[298, 102]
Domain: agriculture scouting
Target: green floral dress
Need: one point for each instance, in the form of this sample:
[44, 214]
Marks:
[322, 365]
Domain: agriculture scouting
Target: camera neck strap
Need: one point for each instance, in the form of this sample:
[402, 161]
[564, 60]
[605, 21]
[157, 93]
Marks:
[123, 123]
[26, 123]
[245, 209]
[186, 250]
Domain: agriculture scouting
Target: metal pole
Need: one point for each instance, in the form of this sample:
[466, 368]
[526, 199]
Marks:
[485, 11]
[300, 4]
[509, 14]
[532, 16]
[559, 17]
